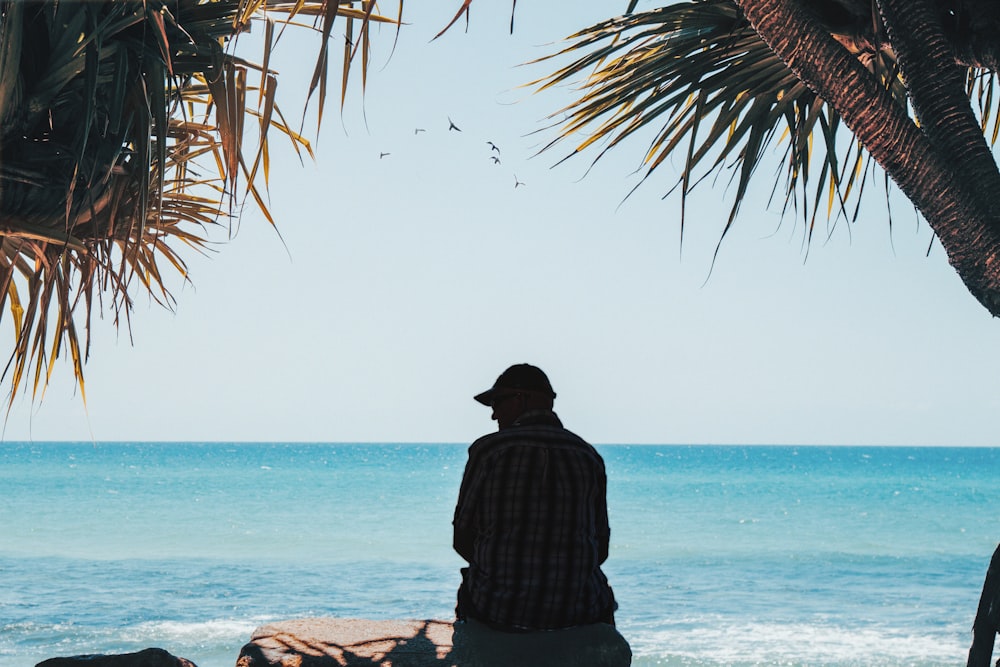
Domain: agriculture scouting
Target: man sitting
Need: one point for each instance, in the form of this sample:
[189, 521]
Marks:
[532, 520]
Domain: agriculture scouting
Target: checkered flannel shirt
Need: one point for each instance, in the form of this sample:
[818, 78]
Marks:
[532, 512]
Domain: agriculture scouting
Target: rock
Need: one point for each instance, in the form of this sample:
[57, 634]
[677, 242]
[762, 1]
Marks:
[335, 642]
[338, 642]
[150, 657]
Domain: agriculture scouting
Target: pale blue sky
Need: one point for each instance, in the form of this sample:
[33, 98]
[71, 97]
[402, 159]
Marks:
[411, 281]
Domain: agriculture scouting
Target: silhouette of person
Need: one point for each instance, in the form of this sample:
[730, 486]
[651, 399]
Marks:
[531, 518]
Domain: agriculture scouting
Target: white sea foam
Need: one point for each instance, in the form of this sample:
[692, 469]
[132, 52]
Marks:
[707, 643]
[202, 632]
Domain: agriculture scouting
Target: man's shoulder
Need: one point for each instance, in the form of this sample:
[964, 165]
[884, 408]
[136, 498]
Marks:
[530, 435]
[526, 433]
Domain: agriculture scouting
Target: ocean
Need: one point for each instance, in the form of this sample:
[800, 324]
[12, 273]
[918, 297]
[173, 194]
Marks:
[720, 555]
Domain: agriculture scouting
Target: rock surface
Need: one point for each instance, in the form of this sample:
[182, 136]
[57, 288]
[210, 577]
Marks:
[150, 657]
[330, 642]
[337, 642]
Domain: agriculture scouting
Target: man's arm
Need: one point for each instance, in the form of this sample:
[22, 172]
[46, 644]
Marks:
[462, 542]
[464, 534]
[603, 528]
[603, 540]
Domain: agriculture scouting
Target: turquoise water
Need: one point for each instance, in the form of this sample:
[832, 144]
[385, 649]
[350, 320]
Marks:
[719, 555]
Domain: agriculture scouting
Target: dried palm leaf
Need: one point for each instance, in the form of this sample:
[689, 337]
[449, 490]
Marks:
[122, 143]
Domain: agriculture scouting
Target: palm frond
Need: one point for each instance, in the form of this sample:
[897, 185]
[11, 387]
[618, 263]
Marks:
[696, 77]
[122, 143]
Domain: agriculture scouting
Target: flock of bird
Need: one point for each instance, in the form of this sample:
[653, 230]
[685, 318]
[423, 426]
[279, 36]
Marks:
[452, 127]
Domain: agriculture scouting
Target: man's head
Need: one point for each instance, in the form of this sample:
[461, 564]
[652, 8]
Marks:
[519, 389]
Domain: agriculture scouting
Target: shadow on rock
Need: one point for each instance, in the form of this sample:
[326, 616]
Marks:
[329, 642]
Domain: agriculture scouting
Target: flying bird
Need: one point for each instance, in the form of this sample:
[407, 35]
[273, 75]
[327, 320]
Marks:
[382, 155]
[494, 147]
[517, 182]
[419, 129]
[495, 159]
[452, 126]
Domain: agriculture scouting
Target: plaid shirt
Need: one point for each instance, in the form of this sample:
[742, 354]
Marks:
[532, 521]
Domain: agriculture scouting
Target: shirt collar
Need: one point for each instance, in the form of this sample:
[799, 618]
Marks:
[538, 418]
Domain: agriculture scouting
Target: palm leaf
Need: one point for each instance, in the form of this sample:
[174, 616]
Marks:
[122, 145]
[698, 78]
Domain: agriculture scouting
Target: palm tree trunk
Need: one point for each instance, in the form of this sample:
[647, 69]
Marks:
[925, 174]
[984, 629]
[936, 87]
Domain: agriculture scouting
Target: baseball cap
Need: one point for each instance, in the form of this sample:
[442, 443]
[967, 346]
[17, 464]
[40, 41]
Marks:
[523, 377]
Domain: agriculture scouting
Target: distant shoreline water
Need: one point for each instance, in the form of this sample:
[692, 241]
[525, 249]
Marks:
[720, 555]
[380, 443]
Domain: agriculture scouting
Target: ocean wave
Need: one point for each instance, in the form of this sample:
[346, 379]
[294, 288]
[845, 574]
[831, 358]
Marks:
[769, 643]
[193, 632]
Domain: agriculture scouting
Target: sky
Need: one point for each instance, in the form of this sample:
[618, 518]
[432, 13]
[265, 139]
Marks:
[401, 285]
